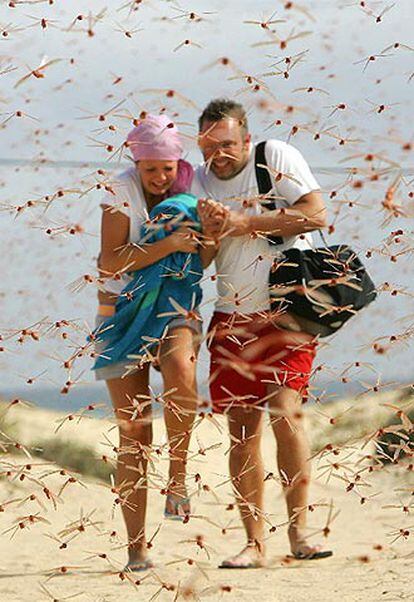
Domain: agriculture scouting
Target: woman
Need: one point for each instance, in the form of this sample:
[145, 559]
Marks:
[158, 173]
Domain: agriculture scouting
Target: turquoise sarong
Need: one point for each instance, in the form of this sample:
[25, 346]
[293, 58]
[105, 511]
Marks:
[139, 308]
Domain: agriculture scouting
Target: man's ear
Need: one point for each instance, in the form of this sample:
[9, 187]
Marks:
[247, 139]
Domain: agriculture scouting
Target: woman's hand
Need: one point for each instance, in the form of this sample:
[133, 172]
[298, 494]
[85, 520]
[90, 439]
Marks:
[184, 240]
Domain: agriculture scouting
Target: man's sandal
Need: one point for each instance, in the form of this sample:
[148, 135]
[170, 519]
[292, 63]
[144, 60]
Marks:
[243, 560]
[317, 554]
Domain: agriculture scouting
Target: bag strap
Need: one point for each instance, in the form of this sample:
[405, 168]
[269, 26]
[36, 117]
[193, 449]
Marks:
[325, 242]
[264, 184]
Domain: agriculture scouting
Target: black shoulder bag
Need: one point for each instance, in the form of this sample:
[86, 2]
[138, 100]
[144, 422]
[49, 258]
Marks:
[320, 288]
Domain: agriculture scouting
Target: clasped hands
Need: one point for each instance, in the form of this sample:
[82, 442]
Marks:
[217, 220]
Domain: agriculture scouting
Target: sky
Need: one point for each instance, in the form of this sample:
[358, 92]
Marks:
[95, 73]
[339, 35]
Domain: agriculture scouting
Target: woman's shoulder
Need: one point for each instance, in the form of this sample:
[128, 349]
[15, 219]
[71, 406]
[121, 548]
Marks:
[127, 179]
[124, 191]
[127, 183]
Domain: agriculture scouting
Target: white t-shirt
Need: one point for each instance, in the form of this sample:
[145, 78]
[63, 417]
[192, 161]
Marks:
[243, 263]
[128, 198]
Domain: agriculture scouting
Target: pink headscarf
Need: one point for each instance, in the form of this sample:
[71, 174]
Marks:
[156, 138]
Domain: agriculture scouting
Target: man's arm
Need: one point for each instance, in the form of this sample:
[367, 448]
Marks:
[306, 214]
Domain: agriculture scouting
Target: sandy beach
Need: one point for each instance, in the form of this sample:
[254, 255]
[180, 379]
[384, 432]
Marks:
[372, 560]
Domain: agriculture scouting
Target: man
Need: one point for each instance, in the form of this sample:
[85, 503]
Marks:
[253, 360]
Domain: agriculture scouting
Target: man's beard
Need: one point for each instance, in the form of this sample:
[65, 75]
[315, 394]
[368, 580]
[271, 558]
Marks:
[233, 172]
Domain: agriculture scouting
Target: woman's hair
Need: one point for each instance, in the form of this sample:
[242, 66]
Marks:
[220, 108]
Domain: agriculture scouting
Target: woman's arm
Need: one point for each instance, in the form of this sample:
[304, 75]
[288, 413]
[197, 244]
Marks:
[118, 255]
[208, 253]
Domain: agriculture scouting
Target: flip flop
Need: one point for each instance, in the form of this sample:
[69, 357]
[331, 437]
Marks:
[178, 504]
[139, 566]
[313, 555]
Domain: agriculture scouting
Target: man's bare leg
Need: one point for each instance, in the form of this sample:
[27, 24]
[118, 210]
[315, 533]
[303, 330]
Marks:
[247, 474]
[293, 453]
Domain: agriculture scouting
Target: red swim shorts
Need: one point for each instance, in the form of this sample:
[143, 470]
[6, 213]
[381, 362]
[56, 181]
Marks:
[247, 353]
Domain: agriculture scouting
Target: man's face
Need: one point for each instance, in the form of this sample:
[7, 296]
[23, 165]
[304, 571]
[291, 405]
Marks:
[225, 147]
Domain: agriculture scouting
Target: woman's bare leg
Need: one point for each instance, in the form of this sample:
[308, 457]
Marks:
[135, 438]
[178, 367]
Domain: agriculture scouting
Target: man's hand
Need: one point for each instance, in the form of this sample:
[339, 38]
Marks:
[237, 224]
[217, 219]
[213, 216]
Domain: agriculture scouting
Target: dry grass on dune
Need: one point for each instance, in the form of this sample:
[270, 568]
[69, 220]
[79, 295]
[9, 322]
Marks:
[76, 441]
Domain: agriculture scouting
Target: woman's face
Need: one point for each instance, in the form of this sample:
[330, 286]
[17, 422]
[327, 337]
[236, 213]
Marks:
[157, 176]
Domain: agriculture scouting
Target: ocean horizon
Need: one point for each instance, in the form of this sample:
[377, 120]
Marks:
[50, 397]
